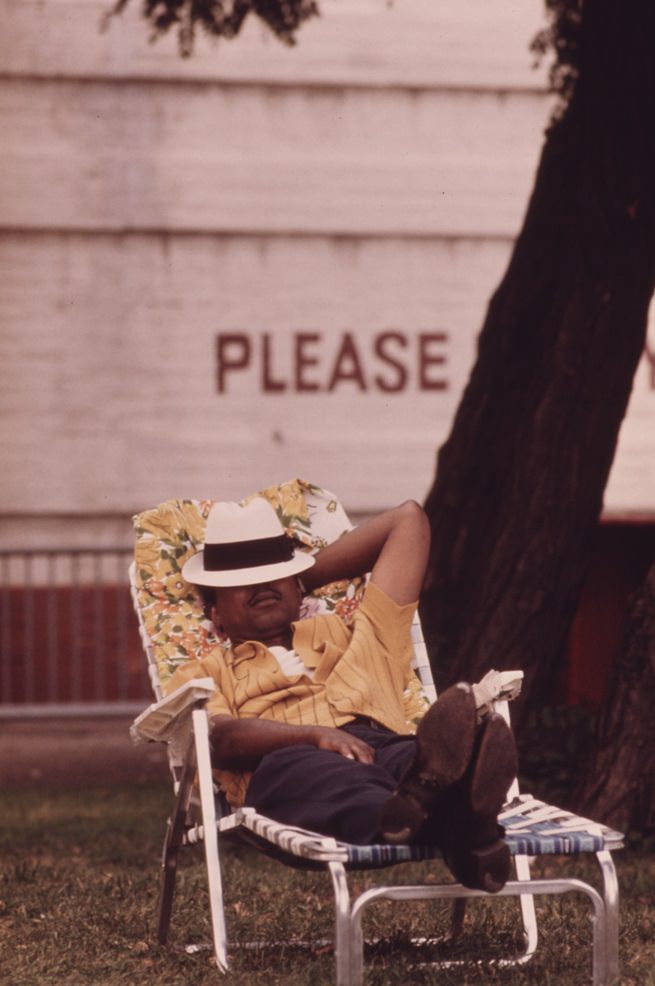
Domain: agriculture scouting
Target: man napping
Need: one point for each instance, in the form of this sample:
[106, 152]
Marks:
[307, 723]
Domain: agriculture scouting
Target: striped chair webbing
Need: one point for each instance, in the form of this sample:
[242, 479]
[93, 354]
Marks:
[532, 827]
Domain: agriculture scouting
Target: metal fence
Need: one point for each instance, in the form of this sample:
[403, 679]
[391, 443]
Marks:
[68, 637]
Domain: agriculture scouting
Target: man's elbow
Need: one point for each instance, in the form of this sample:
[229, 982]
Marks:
[413, 513]
[413, 509]
[224, 749]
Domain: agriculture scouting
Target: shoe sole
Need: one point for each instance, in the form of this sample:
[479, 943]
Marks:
[445, 741]
[483, 867]
[481, 795]
[494, 767]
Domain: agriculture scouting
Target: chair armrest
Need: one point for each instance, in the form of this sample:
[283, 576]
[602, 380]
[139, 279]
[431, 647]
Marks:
[497, 686]
[493, 692]
[164, 720]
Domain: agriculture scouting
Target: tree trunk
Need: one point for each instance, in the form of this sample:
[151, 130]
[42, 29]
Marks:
[520, 481]
[620, 786]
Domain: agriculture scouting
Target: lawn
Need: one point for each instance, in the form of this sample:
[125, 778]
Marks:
[78, 904]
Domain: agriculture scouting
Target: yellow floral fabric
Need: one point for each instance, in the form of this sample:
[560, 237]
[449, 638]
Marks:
[172, 612]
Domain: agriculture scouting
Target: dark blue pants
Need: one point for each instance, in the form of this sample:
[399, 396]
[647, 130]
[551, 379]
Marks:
[328, 793]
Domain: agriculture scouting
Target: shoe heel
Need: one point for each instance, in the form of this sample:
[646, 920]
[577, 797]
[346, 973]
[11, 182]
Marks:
[483, 868]
[495, 768]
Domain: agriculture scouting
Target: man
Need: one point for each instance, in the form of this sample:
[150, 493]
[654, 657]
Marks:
[307, 722]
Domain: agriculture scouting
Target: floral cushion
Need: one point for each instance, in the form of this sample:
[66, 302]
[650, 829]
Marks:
[172, 611]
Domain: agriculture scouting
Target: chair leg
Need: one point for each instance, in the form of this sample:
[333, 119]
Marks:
[210, 837]
[169, 872]
[173, 843]
[457, 917]
[611, 898]
[528, 911]
[348, 949]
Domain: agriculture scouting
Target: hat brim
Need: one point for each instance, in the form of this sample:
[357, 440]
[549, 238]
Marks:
[194, 572]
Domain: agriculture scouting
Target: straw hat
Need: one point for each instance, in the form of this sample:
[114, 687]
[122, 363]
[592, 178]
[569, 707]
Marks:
[244, 545]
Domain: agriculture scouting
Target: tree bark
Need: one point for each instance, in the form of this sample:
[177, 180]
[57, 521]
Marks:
[620, 786]
[519, 484]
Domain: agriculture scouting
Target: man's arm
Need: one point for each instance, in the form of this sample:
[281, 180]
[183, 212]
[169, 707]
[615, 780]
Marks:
[393, 546]
[239, 744]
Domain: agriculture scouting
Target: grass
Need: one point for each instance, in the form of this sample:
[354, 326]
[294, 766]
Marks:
[78, 906]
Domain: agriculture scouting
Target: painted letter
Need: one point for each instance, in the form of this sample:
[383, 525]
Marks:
[347, 365]
[303, 360]
[380, 348]
[232, 353]
[426, 359]
[269, 385]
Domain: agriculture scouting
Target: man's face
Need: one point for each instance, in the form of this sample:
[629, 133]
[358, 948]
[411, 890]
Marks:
[262, 612]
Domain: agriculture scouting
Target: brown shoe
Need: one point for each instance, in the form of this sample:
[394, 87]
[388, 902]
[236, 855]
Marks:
[477, 855]
[469, 833]
[445, 743]
[493, 766]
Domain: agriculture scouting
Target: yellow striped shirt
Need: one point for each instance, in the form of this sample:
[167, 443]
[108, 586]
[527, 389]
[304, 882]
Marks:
[361, 669]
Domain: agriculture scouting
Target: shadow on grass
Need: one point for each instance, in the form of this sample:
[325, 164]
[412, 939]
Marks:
[78, 905]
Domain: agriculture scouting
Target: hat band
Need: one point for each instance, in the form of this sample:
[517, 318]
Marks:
[247, 554]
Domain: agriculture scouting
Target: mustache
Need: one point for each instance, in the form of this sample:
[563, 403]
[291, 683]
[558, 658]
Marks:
[261, 590]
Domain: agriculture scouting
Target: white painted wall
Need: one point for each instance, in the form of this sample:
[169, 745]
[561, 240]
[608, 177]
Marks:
[367, 182]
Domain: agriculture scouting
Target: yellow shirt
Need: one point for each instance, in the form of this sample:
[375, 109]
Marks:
[361, 669]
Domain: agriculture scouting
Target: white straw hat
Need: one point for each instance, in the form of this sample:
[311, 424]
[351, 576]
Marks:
[244, 545]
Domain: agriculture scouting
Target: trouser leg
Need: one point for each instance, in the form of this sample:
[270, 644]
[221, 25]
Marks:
[326, 792]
